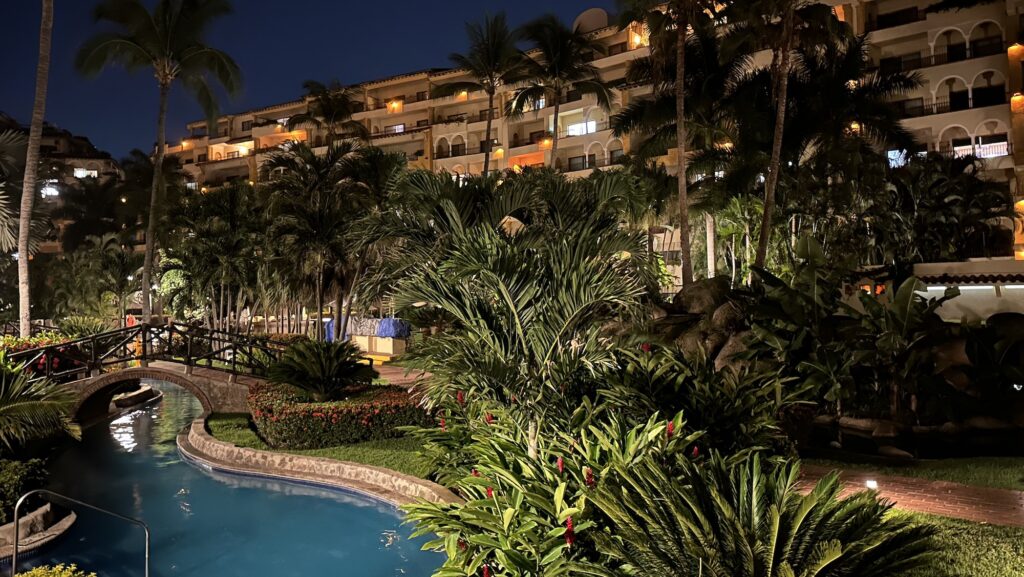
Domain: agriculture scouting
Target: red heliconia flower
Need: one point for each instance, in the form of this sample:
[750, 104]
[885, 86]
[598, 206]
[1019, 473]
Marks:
[588, 475]
[460, 398]
[671, 429]
[561, 465]
[696, 451]
[570, 534]
[646, 347]
[444, 427]
[462, 545]
[489, 418]
[475, 473]
[490, 493]
[487, 571]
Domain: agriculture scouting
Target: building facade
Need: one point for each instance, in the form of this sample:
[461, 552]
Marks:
[969, 102]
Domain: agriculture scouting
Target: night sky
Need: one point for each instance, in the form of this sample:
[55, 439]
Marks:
[277, 43]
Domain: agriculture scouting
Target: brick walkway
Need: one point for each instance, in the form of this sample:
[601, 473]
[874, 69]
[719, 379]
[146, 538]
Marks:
[978, 504]
[396, 375]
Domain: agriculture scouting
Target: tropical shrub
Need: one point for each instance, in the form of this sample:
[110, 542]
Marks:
[32, 409]
[16, 479]
[75, 327]
[531, 516]
[323, 370]
[14, 344]
[61, 570]
[734, 408]
[284, 418]
[749, 519]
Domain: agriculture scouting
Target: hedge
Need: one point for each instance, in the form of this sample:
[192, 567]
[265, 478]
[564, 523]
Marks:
[285, 420]
[16, 479]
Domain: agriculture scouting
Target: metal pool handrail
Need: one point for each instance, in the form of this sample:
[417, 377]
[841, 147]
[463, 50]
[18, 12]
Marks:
[51, 495]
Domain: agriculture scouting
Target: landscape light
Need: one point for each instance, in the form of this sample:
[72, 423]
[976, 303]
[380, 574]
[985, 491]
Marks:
[871, 484]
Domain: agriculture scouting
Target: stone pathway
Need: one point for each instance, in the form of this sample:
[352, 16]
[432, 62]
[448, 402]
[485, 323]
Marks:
[978, 504]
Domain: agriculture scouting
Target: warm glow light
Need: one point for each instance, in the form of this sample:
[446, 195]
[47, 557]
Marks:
[1017, 103]
[1018, 255]
[516, 168]
[394, 106]
[871, 484]
[251, 183]
[464, 95]
[855, 127]
[124, 199]
[545, 144]
[202, 189]
[499, 153]
[243, 150]
[1015, 51]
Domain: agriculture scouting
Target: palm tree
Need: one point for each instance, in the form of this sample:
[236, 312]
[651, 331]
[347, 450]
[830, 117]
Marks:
[528, 312]
[750, 518]
[31, 409]
[169, 41]
[28, 182]
[95, 208]
[330, 109]
[12, 154]
[561, 64]
[311, 211]
[492, 61]
[375, 177]
[784, 24]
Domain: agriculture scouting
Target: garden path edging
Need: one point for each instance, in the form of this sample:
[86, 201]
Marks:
[383, 484]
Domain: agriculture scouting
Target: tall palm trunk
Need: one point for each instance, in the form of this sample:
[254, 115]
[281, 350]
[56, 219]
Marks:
[350, 298]
[336, 331]
[319, 303]
[781, 83]
[154, 200]
[709, 238]
[686, 265]
[28, 189]
[554, 139]
[490, 121]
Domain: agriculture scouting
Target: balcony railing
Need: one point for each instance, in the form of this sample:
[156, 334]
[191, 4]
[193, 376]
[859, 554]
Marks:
[988, 150]
[954, 53]
[897, 18]
[915, 108]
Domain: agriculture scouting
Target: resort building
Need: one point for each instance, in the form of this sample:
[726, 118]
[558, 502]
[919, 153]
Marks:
[74, 156]
[969, 102]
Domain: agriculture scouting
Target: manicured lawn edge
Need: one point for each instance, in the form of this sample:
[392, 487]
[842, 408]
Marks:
[995, 472]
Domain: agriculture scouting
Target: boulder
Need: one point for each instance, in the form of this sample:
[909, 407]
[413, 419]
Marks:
[727, 318]
[985, 423]
[702, 297]
[862, 425]
[727, 357]
[886, 430]
[658, 313]
[894, 453]
[950, 428]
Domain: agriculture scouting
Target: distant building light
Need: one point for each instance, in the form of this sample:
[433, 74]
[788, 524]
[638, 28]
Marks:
[86, 173]
[49, 189]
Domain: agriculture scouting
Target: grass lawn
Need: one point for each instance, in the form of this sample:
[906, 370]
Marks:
[975, 550]
[396, 454]
[999, 472]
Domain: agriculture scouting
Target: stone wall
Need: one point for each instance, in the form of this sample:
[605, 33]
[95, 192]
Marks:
[384, 484]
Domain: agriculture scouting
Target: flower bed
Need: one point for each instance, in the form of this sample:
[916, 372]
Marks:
[287, 421]
[13, 344]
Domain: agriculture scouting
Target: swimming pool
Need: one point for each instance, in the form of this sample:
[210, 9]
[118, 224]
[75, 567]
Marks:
[213, 524]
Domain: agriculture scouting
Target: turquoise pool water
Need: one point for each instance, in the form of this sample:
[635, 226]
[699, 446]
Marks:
[210, 524]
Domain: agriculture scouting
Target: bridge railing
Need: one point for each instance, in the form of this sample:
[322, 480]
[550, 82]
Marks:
[189, 345]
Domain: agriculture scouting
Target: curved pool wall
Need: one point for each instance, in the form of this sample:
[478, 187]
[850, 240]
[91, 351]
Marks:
[208, 523]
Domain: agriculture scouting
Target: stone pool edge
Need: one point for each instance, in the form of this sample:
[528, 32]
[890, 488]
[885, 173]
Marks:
[378, 483]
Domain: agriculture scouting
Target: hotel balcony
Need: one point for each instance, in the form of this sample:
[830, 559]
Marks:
[961, 52]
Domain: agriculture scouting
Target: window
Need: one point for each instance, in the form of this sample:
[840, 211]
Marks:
[394, 129]
[283, 121]
[459, 149]
[424, 122]
[531, 106]
[581, 128]
[618, 48]
[421, 95]
[582, 162]
[49, 189]
[202, 158]
[483, 114]
[616, 156]
[86, 173]
[246, 125]
[191, 185]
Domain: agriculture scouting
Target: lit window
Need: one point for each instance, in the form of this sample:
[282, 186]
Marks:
[191, 185]
[283, 121]
[582, 128]
[86, 173]
[394, 129]
[897, 158]
[50, 189]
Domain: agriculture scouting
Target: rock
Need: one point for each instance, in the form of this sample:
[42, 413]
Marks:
[825, 420]
[714, 342]
[835, 444]
[926, 430]
[735, 346]
[658, 313]
[727, 318]
[862, 425]
[886, 430]
[985, 423]
[691, 342]
[950, 428]
[957, 379]
[702, 297]
[894, 452]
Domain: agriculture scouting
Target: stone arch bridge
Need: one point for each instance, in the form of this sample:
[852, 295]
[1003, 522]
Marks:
[217, 367]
